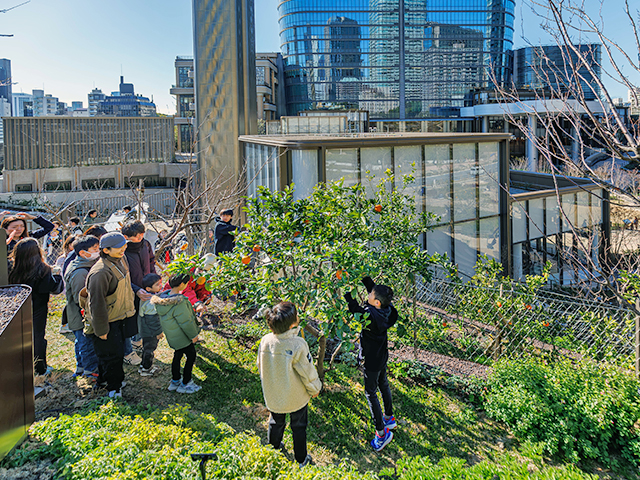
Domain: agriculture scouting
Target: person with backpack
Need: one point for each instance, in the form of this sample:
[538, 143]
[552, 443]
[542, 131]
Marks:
[87, 249]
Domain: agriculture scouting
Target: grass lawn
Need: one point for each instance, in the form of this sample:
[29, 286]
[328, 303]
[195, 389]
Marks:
[432, 422]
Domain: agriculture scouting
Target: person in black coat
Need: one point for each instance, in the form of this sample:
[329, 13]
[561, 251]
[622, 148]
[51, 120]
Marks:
[142, 261]
[224, 234]
[16, 228]
[375, 353]
[30, 268]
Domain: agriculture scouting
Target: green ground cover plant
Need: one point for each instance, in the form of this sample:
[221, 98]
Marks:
[577, 410]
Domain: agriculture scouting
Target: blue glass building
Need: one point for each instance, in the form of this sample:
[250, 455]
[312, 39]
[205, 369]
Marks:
[397, 59]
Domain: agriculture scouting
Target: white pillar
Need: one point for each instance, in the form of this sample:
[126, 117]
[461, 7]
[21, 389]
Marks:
[485, 124]
[532, 151]
[517, 262]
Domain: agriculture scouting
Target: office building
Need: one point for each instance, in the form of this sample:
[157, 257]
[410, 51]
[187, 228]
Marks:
[399, 59]
[22, 105]
[512, 217]
[552, 68]
[94, 98]
[125, 103]
[6, 80]
[185, 103]
[72, 153]
[5, 111]
[225, 83]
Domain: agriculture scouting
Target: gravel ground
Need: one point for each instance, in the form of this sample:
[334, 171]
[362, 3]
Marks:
[11, 298]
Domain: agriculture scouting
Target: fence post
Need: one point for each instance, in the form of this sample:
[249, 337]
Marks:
[637, 344]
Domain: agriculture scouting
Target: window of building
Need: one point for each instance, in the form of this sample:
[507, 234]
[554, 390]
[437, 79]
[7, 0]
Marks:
[24, 187]
[99, 184]
[57, 186]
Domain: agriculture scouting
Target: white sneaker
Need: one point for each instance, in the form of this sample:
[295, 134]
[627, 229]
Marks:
[65, 329]
[132, 359]
[147, 372]
[188, 388]
[174, 385]
[114, 394]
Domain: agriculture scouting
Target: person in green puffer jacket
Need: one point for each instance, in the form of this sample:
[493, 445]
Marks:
[180, 326]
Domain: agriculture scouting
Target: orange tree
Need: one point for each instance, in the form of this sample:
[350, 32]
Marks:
[309, 251]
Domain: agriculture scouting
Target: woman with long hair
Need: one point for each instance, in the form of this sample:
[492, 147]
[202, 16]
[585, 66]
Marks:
[29, 268]
[16, 228]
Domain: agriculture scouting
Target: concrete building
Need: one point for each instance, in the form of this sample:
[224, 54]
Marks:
[269, 86]
[513, 217]
[72, 153]
[44, 104]
[22, 105]
[225, 84]
[185, 103]
[6, 81]
[94, 98]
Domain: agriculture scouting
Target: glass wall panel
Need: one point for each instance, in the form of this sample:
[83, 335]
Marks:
[408, 161]
[583, 210]
[304, 164]
[489, 178]
[466, 248]
[553, 215]
[465, 176]
[342, 163]
[569, 210]
[536, 219]
[490, 237]
[518, 223]
[373, 164]
[251, 169]
[437, 166]
[596, 207]
[439, 241]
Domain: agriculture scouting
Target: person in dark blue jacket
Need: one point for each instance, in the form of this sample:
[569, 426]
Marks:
[225, 233]
[16, 228]
[374, 350]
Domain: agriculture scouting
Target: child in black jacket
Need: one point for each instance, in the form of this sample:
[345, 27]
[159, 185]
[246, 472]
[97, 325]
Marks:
[375, 352]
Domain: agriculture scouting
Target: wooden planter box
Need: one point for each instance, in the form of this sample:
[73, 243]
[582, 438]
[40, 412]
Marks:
[17, 411]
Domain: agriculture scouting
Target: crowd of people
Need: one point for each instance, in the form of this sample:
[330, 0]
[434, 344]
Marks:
[118, 300]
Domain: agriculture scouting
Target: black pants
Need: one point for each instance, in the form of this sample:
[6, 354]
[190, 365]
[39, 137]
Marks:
[190, 353]
[298, 421]
[149, 345]
[372, 382]
[39, 343]
[110, 353]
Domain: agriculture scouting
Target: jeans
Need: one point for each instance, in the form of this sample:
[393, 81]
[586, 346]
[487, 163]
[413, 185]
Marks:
[110, 353]
[127, 346]
[190, 353]
[374, 381]
[86, 359]
[298, 421]
[149, 345]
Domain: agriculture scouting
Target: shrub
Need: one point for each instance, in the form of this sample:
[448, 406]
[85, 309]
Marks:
[577, 410]
[506, 465]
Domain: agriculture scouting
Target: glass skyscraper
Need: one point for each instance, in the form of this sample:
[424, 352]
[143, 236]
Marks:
[398, 59]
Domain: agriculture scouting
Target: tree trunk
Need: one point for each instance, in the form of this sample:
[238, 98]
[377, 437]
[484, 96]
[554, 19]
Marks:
[322, 348]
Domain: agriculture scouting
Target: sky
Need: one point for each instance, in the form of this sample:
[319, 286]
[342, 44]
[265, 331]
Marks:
[68, 47]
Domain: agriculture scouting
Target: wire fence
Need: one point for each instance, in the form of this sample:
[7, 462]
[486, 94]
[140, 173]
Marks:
[482, 325]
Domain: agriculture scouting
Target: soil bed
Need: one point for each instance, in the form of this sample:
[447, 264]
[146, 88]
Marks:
[11, 299]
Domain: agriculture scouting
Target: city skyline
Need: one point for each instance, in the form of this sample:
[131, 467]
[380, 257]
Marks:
[61, 49]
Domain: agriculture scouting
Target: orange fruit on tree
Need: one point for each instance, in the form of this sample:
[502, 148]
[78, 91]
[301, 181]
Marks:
[201, 280]
[246, 259]
[234, 292]
[498, 304]
[339, 274]
[378, 208]
[184, 246]
[256, 248]
[296, 234]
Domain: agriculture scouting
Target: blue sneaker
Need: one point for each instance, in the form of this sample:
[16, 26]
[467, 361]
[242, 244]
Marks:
[379, 442]
[173, 386]
[390, 422]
